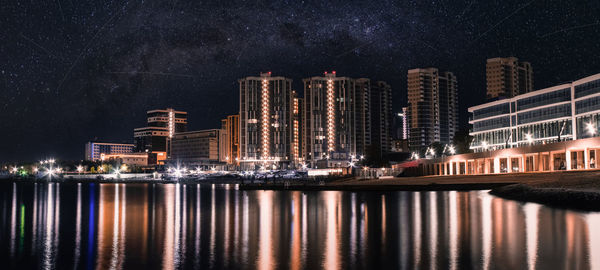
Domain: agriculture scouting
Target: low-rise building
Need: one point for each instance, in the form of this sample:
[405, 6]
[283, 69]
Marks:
[564, 112]
[565, 155]
[199, 148]
[137, 159]
[94, 150]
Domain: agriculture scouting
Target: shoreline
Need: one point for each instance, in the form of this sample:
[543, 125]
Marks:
[562, 198]
[577, 190]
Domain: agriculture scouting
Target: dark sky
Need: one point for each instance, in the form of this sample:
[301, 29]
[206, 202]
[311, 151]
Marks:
[72, 71]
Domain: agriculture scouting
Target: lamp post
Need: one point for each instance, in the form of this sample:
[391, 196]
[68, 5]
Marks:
[591, 129]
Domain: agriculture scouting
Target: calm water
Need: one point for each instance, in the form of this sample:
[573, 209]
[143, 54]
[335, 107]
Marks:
[102, 226]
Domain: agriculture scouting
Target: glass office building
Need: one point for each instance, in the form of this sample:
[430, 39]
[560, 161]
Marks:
[564, 112]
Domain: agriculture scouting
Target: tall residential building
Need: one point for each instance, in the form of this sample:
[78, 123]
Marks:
[336, 117]
[432, 107]
[95, 150]
[507, 77]
[381, 117]
[162, 125]
[231, 126]
[266, 120]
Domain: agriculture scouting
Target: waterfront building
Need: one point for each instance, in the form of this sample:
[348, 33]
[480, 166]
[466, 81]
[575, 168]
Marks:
[199, 148]
[231, 127]
[337, 118]
[580, 154]
[564, 112]
[266, 121]
[432, 107]
[507, 77]
[162, 125]
[381, 118]
[135, 159]
[94, 150]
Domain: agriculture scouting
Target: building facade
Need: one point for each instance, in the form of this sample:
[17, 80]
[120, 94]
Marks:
[563, 112]
[198, 148]
[95, 150]
[155, 138]
[266, 120]
[381, 118]
[135, 159]
[432, 107]
[231, 127]
[507, 77]
[580, 154]
[336, 117]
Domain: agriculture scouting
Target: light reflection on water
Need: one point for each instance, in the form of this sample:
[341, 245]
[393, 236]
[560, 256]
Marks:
[103, 226]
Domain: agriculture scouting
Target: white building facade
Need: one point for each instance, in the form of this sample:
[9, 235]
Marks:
[564, 112]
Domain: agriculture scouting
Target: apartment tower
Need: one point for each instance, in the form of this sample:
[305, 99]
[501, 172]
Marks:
[266, 121]
[336, 116]
[432, 107]
[507, 77]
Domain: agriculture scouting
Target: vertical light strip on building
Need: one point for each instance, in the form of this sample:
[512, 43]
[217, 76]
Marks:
[171, 123]
[265, 119]
[296, 127]
[330, 117]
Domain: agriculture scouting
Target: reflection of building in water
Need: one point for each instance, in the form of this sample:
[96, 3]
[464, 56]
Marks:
[111, 226]
[509, 239]
[171, 226]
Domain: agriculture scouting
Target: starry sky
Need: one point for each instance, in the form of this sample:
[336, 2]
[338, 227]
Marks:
[74, 71]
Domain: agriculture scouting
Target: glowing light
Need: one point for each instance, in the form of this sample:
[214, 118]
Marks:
[591, 129]
[79, 168]
[351, 164]
[484, 144]
[529, 138]
[452, 149]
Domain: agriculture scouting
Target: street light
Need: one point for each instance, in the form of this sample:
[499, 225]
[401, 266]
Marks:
[529, 138]
[452, 149]
[590, 128]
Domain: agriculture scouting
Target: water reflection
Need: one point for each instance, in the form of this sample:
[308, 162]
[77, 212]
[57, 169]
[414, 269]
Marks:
[102, 226]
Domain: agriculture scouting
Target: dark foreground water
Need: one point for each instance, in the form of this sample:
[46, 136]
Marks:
[135, 226]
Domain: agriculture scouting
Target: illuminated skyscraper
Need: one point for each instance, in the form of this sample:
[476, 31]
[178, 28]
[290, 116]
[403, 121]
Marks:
[336, 117]
[266, 120]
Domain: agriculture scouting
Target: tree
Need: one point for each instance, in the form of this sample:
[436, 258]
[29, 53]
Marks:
[462, 141]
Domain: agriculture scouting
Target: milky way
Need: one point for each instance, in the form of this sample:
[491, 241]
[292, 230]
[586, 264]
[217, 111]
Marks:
[74, 71]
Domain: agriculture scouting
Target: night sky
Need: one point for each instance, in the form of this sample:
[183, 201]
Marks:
[74, 71]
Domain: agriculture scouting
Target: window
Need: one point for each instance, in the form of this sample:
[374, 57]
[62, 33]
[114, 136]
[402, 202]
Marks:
[587, 88]
[544, 99]
[544, 114]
